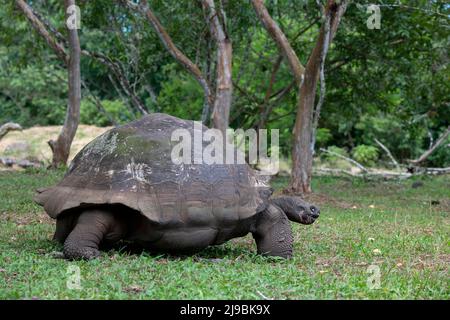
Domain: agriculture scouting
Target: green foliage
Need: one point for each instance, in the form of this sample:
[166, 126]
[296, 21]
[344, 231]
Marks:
[323, 136]
[338, 150]
[32, 95]
[389, 129]
[442, 154]
[365, 154]
[90, 113]
[180, 95]
[331, 158]
[390, 84]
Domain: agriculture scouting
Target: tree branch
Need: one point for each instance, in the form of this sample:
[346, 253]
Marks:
[265, 108]
[280, 39]
[427, 153]
[360, 166]
[176, 53]
[57, 47]
[10, 126]
[389, 154]
[119, 74]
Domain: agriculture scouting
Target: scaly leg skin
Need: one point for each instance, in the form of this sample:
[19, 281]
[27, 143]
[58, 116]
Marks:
[92, 227]
[273, 234]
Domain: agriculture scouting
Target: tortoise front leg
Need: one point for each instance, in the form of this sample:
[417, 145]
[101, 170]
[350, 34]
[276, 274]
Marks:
[92, 227]
[273, 234]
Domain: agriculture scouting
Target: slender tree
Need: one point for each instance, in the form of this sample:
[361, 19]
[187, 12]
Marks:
[61, 146]
[307, 78]
[224, 85]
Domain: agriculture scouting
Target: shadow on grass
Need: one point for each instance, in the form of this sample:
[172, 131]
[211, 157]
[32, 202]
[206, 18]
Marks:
[212, 253]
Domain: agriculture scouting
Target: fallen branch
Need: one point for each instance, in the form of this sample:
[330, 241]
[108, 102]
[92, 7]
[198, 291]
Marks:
[334, 171]
[369, 175]
[360, 166]
[423, 170]
[427, 153]
[389, 154]
[384, 174]
[10, 126]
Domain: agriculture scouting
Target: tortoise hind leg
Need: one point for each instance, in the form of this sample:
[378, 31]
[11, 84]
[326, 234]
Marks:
[273, 234]
[92, 227]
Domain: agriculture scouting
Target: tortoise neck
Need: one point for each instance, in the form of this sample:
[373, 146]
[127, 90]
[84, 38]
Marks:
[287, 205]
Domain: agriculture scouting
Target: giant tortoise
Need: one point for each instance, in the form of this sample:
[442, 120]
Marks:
[124, 185]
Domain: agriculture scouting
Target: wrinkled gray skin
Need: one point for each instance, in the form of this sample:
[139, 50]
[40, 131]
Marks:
[104, 225]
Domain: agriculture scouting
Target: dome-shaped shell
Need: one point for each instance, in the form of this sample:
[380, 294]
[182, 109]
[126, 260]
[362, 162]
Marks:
[131, 165]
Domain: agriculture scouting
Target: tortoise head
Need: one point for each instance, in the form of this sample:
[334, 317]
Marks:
[297, 209]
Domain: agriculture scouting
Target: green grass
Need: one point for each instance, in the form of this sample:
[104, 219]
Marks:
[407, 226]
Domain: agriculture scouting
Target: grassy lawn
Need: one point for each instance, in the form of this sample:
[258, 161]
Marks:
[364, 225]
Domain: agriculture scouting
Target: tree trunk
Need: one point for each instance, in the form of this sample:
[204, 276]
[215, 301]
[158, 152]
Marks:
[61, 147]
[222, 103]
[306, 78]
[224, 85]
[303, 142]
[301, 149]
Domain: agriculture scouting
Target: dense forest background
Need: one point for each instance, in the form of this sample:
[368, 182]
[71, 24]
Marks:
[389, 84]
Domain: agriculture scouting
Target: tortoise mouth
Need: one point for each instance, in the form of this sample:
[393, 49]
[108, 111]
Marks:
[313, 215]
[309, 218]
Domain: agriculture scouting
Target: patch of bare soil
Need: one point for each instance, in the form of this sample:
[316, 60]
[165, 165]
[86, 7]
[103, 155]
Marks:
[26, 219]
[433, 262]
[33, 142]
[323, 199]
[442, 205]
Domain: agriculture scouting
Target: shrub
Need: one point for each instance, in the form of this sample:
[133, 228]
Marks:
[331, 157]
[89, 114]
[365, 154]
[323, 135]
